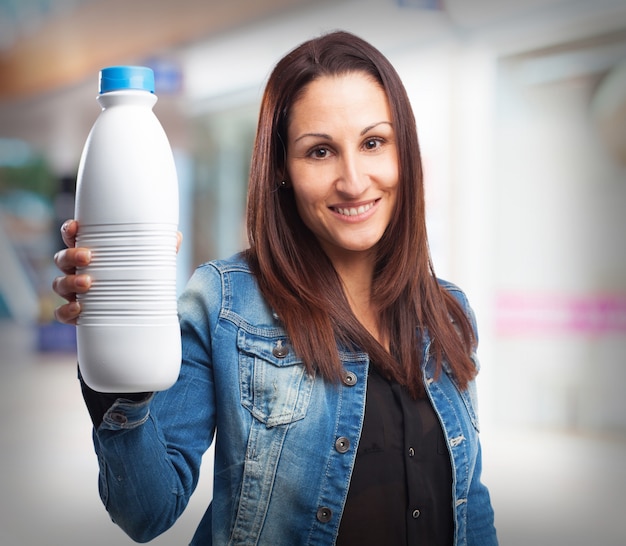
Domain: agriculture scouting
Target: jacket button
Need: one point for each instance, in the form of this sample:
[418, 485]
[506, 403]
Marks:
[350, 379]
[280, 350]
[324, 514]
[342, 444]
[118, 418]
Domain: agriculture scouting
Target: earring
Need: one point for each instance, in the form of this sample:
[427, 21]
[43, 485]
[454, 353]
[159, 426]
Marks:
[283, 183]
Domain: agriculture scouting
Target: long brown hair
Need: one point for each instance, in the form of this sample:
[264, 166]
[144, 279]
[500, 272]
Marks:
[297, 278]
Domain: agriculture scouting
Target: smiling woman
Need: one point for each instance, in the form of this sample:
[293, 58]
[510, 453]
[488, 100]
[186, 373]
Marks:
[327, 355]
[378, 297]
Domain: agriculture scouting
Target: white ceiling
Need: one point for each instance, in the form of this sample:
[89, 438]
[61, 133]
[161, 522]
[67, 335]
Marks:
[233, 65]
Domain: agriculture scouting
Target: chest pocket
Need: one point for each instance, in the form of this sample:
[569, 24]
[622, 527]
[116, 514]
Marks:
[274, 384]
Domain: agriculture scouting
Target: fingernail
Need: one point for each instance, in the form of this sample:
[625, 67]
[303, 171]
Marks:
[74, 308]
[83, 281]
[65, 226]
[84, 256]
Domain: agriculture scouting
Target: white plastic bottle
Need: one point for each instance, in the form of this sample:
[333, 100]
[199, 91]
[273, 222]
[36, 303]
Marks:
[128, 335]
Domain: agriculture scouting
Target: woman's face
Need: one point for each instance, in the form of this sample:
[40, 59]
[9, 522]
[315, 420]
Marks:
[342, 162]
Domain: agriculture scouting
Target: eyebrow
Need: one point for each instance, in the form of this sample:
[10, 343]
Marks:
[370, 127]
[328, 137]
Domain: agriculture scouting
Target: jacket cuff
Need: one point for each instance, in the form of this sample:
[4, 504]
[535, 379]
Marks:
[117, 410]
[127, 412]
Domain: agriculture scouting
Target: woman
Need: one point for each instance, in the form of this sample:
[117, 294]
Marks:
[337, 370]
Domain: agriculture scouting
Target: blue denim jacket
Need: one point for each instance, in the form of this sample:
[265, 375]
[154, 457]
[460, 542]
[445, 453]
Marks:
[281, 472]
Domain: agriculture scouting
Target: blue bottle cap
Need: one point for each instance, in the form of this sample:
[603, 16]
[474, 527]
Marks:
[116, 78]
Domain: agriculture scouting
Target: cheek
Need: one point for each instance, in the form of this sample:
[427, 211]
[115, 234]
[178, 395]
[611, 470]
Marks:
[305, 203]
[393, 172]
[309, 208]
[307, 189]
[393, 181]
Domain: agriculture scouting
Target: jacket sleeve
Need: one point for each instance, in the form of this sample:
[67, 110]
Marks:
[480, 529]
[150, 450]
[480, 516]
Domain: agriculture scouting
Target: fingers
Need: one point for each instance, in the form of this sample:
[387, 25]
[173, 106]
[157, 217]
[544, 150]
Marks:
[179, 240]
[70, 284]
[68, 232]
[67, 286]
[69, 259]
[68, 313]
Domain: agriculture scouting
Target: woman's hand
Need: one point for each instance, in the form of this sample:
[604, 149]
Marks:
[70, 284]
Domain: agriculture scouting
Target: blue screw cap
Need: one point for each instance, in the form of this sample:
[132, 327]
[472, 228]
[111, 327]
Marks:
[116, 78]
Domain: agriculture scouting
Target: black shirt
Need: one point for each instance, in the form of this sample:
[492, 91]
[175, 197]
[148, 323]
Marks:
[401, 488]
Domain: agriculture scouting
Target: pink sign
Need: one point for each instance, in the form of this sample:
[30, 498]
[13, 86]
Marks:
[547, 314]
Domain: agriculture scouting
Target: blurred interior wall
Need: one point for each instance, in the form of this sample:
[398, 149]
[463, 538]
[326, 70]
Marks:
[560, 254]
[525, 196]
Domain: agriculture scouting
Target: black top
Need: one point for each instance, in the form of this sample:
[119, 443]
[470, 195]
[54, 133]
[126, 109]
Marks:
[401, 488]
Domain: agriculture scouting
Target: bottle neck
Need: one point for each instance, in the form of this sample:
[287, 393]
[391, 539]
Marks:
[127, 97]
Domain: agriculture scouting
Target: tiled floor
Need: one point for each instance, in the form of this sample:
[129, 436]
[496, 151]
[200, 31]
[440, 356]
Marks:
[548, 489]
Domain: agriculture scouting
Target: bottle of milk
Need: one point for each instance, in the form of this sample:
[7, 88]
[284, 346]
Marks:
[128, 336]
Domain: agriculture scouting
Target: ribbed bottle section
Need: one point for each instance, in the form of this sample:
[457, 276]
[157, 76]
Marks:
[133, 272]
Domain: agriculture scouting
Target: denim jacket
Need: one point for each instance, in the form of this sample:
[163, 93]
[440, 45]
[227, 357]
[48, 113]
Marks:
[286, 440]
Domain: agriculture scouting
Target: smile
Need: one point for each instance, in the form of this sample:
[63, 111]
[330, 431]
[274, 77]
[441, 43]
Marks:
[354, 211]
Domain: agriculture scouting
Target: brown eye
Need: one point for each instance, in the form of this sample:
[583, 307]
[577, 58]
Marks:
[320, 153]
[372, 144]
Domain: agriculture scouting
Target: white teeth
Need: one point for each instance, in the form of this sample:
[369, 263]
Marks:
[354, 211]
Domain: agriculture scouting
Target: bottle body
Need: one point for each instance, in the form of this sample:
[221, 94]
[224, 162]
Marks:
[128, 336]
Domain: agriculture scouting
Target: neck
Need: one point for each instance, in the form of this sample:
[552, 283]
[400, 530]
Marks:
[357, 276]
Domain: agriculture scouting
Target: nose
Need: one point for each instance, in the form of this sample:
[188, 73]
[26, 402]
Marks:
[352, 180]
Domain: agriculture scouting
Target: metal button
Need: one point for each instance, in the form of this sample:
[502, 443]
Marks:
[118, 418]
[411, 452]
[350, 379]
[324, 514]
[280, 350]
[416, 514]
[342, 444]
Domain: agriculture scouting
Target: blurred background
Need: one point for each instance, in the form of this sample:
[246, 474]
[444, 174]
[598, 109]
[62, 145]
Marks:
[521, 113]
